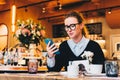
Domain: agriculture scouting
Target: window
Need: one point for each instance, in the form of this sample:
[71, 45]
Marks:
[94, 28]
[59, 31]
[3, 36]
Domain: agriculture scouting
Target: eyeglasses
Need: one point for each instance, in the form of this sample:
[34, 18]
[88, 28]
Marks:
[70, 27]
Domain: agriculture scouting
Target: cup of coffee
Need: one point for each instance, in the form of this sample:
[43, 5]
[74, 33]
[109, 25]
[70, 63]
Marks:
[95, 68]
[111, 68]
[72, 71]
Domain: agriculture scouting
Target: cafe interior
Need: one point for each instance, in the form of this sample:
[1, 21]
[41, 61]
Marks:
[101, 20]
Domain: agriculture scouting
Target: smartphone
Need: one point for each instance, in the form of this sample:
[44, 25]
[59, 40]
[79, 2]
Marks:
[51, 42]
[47, 41]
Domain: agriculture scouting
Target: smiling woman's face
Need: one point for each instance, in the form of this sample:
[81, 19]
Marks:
[77, 31]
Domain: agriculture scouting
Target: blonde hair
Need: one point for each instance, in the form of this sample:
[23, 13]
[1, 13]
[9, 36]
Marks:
[85, 31]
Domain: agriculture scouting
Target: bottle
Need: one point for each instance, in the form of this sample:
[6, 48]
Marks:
[15, 62]
[5, 57]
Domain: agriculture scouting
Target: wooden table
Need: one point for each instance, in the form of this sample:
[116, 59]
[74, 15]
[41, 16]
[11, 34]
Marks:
[49, 76]
[20, 69]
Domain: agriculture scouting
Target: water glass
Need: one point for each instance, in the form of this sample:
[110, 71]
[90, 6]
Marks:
[111, 68]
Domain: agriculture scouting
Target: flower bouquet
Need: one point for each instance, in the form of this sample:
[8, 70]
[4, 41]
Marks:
[29, 32]
[88, 55]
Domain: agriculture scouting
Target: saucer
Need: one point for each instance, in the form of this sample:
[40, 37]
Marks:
[63, 73]
[95, 75]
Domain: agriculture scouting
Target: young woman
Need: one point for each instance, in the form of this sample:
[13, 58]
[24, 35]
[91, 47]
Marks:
[73, 48]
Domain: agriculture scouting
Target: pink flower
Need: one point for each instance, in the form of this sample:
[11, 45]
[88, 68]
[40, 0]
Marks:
[43, 33]
[26, 32]
[18, 32]
[29, 31]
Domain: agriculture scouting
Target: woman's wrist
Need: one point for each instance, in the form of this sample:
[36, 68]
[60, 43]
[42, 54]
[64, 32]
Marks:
[50, 56]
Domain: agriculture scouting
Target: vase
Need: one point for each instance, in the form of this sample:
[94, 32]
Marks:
[32, 61]
[32, 66]
[32, 50]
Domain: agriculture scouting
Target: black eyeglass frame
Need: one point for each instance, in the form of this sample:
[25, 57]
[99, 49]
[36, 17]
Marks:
[71, 26]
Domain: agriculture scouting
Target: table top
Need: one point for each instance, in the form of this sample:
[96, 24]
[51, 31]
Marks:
[19, 69]
[52, 76]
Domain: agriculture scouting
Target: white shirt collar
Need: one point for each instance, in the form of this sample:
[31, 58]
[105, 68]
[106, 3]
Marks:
[70, 41]
[81, 45]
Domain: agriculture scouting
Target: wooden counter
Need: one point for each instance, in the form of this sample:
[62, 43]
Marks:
[49, 76]
[19, 69]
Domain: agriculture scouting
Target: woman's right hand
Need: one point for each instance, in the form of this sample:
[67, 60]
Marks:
[51, 49]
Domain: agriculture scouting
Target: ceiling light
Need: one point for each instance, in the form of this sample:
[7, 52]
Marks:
[43, 10]
[60, 6]
[13, 17]
[109, 11]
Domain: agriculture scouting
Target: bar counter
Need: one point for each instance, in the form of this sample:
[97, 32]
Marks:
[50, 76]
[19, 69]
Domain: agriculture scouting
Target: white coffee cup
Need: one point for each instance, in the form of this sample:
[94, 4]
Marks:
[72, 71]
[84, 62]
[95, 68]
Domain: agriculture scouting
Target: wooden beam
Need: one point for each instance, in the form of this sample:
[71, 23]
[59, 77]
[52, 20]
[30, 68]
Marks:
[33, 4]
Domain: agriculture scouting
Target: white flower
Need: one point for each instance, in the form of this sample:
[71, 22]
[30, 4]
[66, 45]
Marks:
[38, 33]
[88, 55]
[28, 31]
[18, 32]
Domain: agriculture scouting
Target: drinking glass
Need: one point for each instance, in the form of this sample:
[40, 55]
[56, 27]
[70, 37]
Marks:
[111, 68]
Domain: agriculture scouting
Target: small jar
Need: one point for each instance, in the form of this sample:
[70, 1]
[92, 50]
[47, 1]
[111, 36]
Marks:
[32, 66]
[111, 68]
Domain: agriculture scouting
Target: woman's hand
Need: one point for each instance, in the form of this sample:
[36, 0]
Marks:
[51, 49]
